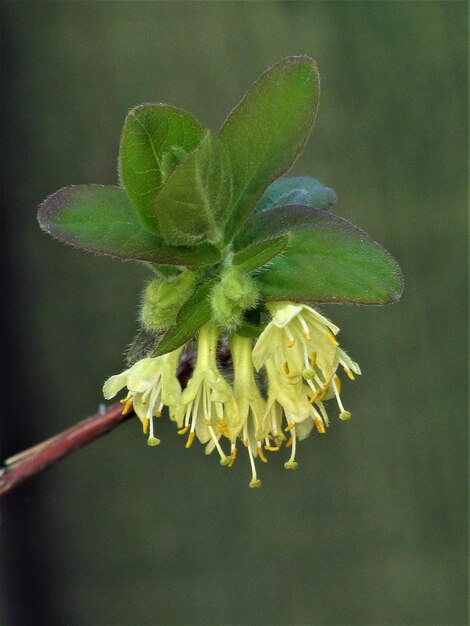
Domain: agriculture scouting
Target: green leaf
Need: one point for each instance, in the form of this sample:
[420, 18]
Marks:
[259, 253]
[154, 139]
[194, 314]
[326, 260]
[266, 131]
[300, 190]
[194, 202]
[101, 219]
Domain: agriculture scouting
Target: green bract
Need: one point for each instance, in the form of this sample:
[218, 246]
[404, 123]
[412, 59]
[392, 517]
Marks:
[193, 199]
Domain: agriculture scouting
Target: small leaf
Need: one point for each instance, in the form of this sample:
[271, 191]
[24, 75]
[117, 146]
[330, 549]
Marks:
[299, 190]
[259, 253]
[194, 314]
[154, 139]
[194, 202]
[326, 260]
[101, 219]
[266, 131]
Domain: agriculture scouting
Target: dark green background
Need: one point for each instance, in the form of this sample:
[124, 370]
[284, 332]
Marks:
[372, 528]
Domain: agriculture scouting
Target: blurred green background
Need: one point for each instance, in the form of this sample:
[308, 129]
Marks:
[372, 528]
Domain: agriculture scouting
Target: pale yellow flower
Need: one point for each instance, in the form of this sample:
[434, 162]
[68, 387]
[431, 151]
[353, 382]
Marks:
[207, 402]
[152, 384]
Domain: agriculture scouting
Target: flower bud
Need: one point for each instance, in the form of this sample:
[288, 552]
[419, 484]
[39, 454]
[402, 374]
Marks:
[235, 293]
[163, 299]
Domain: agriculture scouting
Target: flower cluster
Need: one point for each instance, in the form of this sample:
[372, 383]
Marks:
[300, 355]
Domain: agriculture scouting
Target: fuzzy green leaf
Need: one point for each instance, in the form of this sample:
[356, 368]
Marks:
[327, 259]
[299, 190]
[194, 202]
[101, 219]
[259, 253]
[155, 138]
[194, 314]
[267, 130]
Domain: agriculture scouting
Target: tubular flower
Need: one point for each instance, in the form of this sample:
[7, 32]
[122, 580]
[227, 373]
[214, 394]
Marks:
[152, 384]
[207, 404]
[250, 423]
[301, 355]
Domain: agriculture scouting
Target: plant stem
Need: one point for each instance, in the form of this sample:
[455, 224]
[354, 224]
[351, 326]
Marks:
[32, 461]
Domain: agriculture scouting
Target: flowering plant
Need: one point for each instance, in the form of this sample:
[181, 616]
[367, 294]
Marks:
[237, 254]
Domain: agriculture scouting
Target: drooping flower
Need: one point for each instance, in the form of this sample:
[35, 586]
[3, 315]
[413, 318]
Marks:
[152, 384]
[301, 355]
[207, 403]
[249, 424]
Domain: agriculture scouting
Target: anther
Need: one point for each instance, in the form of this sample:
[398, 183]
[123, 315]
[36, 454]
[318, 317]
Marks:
[191, 436]
[313, 358]
[349, 374]
[289, 442]
[127, 407]
[338, 383]
[183, 431]
[158, 413]
[261, 455]
[286, 367]
[271, 448]
[289, 427]
[315, 395]
[145, 425]
[332, 338]
[319, 424]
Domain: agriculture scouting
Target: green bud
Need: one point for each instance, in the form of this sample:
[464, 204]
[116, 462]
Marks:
[235, 293]
[163, 299]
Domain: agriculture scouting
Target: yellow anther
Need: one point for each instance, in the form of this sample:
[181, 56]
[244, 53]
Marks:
[319, 424]
[289, 427]
[313, 358]
[245, 442]
[286, 367]
[315, 395]
[124, 400]
[128, 407]
[338, 383]
[158, 413]
[291, 342]
[349, 374]
[306, 334]
[332, 338]
[191, 436]
[271, 448]
[183, 431]
[261, 455]
[144, 400]
[233, 456]
[145, 425]
[208, 422]
[289, 442]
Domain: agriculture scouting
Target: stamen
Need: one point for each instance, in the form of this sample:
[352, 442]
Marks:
[338, 383]
[289, 427]
[124, 400]
[261, 454]
[224, 460]
[313, 358]
[290, 337]
[255, 482]
[158, 413]
[319, 424]
[289, 442]
[291, 463]
[286, 367]
[305, 329]
[233, 455]
[145, 425]
[349, 374]
[332, 338]
[191, 437]
[184, 430]
[127, 407]
[316, 394]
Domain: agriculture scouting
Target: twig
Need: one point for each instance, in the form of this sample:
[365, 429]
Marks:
[34, 460]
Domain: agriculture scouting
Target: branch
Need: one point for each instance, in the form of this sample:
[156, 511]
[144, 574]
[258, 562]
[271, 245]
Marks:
[34, 460]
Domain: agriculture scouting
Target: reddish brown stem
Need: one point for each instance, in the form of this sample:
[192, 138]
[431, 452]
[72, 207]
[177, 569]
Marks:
[30, 462]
